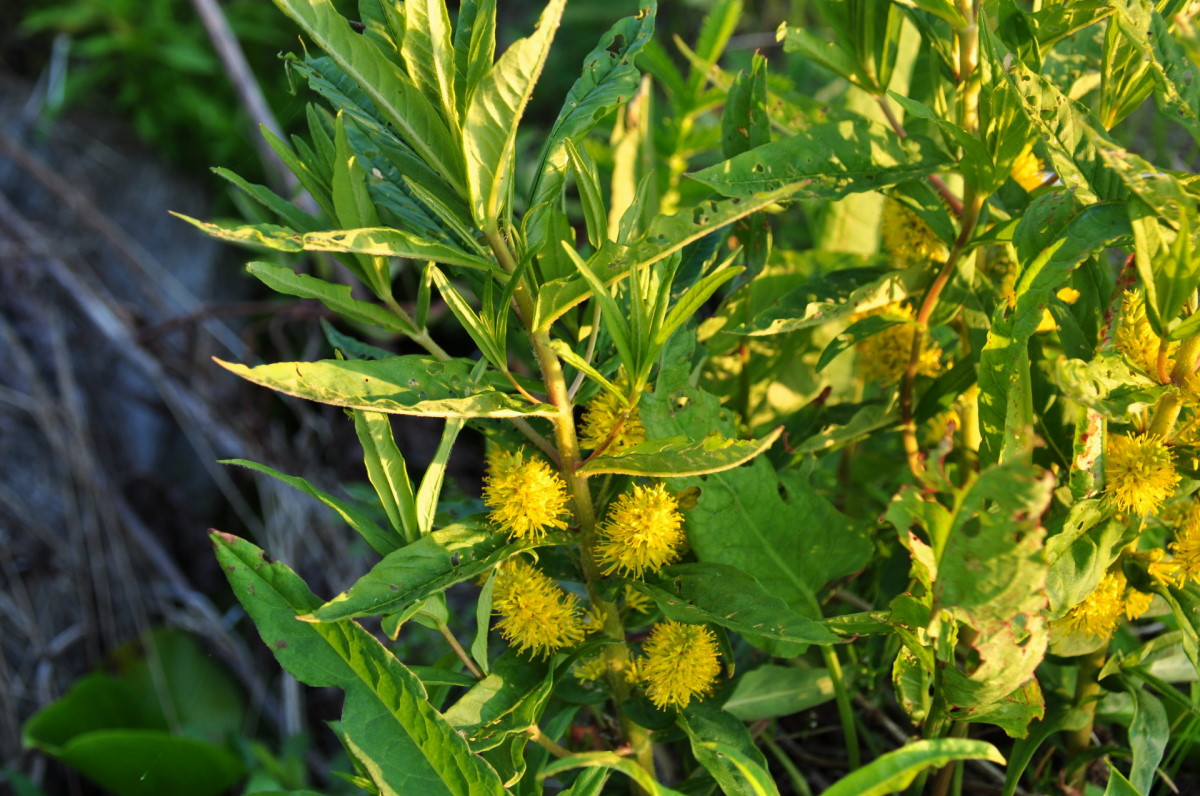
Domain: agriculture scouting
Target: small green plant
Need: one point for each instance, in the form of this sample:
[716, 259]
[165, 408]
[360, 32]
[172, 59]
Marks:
[740, 461]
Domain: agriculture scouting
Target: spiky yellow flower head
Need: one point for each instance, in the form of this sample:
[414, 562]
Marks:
[681, 663]
[1099, 614]
[526, 497]
[643, 531]
[604, 413]
[883, 357]
[1028, 170]
[907, 238]
[1186, 547]
[1136, 603]
[536, 615]
[1136, 339]
[591, 670]
[1164, 571]
[636, 600]
[1139, 473]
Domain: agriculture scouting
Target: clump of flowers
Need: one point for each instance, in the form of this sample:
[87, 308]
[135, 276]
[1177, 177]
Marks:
[1139, 472]
[907, 238]
[1028, 169]
[636, 600]
[536, 615]
[1163, 571]
[1101, 611]
[1136, 339]
[591, 669]
[883, 357]
[604, 413]
[681, 663]
[643, 531]
[1186, 547]
[526, 497]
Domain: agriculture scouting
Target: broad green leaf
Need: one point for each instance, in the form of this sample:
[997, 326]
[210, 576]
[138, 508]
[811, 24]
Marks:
[351, 201]
[1080, 554]
[609, 79]
[944, 9]
[1053, 237]
[724, 595]
[589, 783]
[429, 55]
[152, 762]
[722, 744]
[334, 296]
[895, 770]
[1177, 83]
[405, 385]
[393, 92]
[610, 760]
[676, 457]
[1107, 384]
[430, 490]
[387, 472]
[386, 718]
[421, 569]
[770, 691]
[826, 161]
[1118, 785]
[1185, 606]
[381, 541]
[384, 242]
[666, 235]
[474, 47]
[1148, 735]
[494, 111]
[514, 682]
[829, 54]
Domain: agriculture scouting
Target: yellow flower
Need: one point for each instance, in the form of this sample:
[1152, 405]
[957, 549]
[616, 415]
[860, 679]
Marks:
[1099, 614]
[1027, 170]
[1136, 340]
[681, 663]
[1139, 472]
[1165, 571]
[643, 531]
[1136, 603]
[591, 670]
[907, 238]
[636, 600]
[603, 414]
[1186, 547]
[884, 357]
[536, 615]
[526, 497]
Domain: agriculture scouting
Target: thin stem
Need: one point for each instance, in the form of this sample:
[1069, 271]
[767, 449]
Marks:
[591, 351]
[541, 739]
[1087, 694]
[845, 711]
[953, 202]
[459, 651]
[945, 777]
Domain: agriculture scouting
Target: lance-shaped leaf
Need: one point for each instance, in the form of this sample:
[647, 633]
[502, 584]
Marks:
[771, 691]
[1053, 237]
[613, 761]
[722, 744]
[895, 771]
[387, 718]
[423, 568]
[334, 296]
[727, 596]
[826, 161]
[490, 131]
[392, 91]
[679, 456]
[379, 241]
[429, 55]
[406, 385]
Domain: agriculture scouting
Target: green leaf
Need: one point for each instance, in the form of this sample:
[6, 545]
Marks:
[587, 179]
[724, 595]
[405, 385]
[1107, 384]
[895, 770]
[1177, 84]
[381, 541]
[387, 472]
[857, 332]
[152, 762]
[1149, 732]
[383, 242]
[508, 700]
[421, 569]
[386, 721]
[429, 54]
[676, 457]
[494, 111]
[430, 490]
[293, 216]
[334, 296]
[722, 744]
[1118, 785]
[1052, 238]
[770, 691]
[395, 95]
[310, 181]
[826, 161]
[351, 201]
[613, 761]
[479, 330]
[474, 47]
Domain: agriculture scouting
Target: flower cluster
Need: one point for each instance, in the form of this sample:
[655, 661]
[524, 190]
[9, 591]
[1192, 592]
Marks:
[1136, 339]
[1101, 611]
[526, 497]
[681, 663]
[1028, 171]
[643, 531]
[883, 357]
[606, 414]
[1139, 473]
[536, 615]
[907, 238]
[1186, 547]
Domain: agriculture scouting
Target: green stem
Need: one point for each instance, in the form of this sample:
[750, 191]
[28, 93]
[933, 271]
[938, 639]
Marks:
[567, 442]
[845, 712]
[459, 651]
[946, 776]
[1087, 694]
